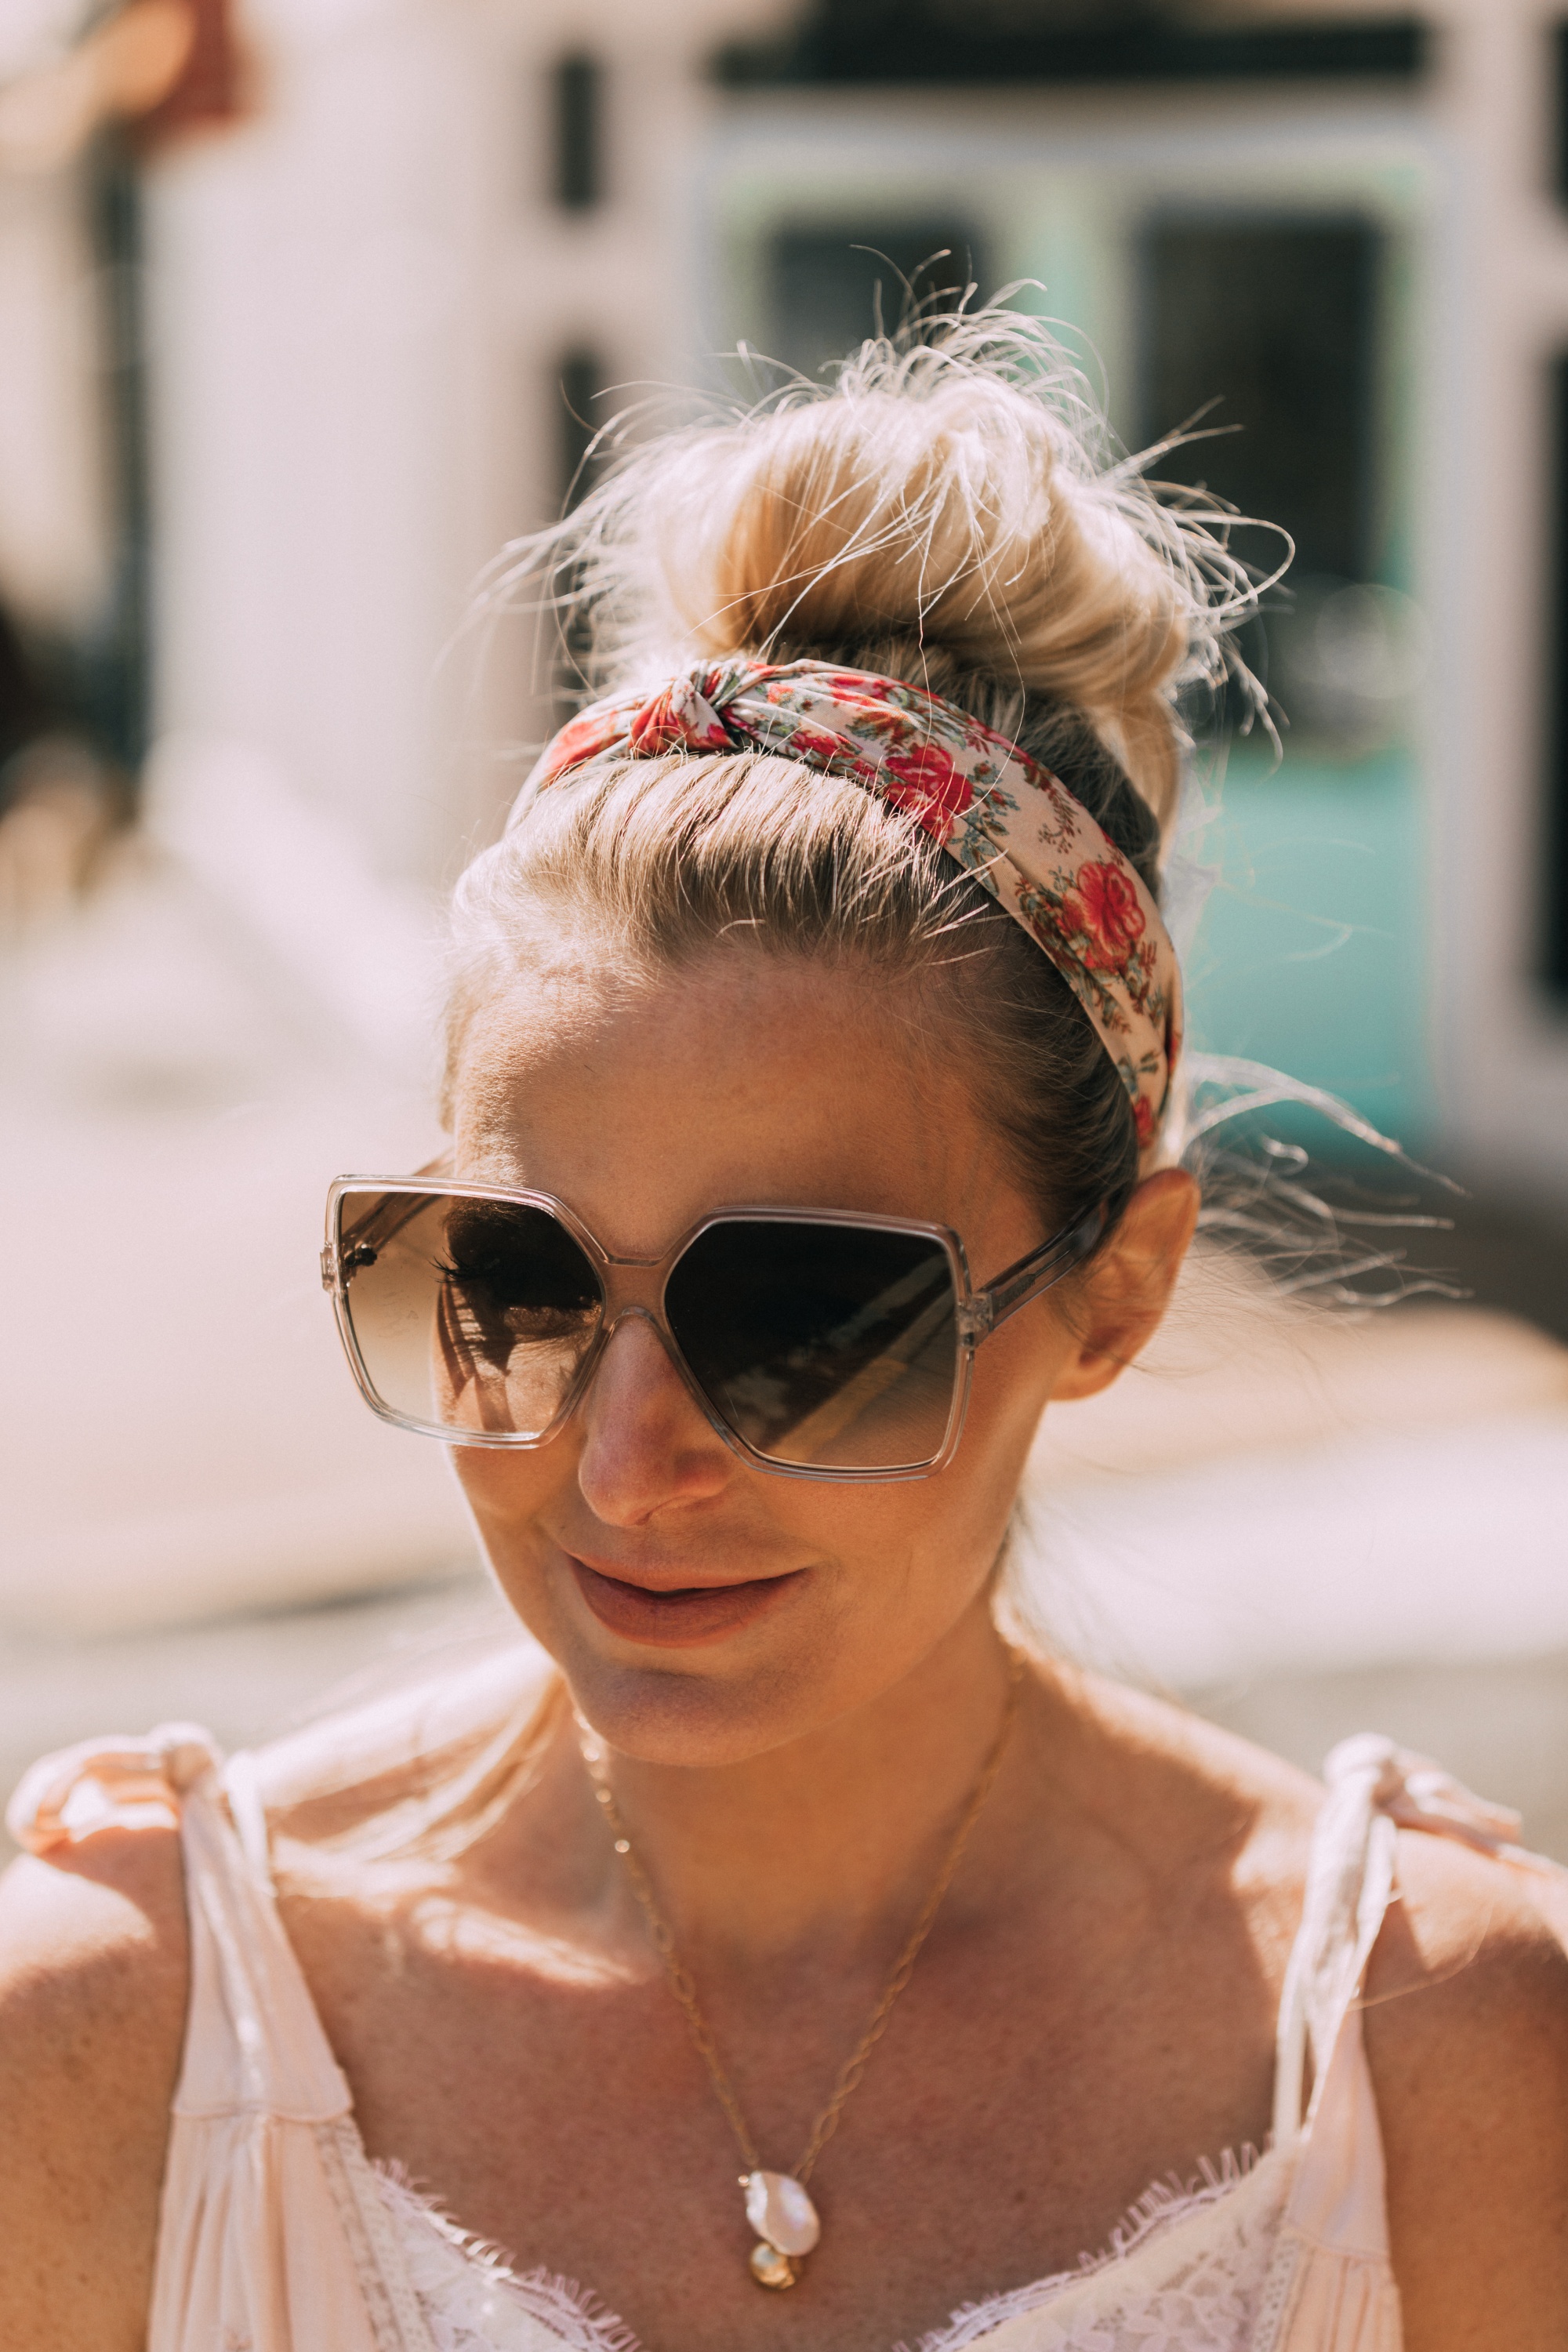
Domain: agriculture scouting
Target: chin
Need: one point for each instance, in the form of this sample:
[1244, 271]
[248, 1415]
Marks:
[716, 1699]
[721, 1711]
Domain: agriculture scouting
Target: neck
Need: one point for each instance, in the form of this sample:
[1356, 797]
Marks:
[823, 1845]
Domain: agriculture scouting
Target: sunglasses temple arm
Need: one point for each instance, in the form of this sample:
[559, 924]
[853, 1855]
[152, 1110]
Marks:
[1029, 1277]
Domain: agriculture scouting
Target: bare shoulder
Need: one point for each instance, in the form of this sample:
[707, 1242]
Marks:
[92, 1945]
[1466, 2001]
[93, 1973]
[1467, 2032]
[1466, 2017]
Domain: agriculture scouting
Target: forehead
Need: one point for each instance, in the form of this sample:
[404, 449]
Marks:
[647, 1099]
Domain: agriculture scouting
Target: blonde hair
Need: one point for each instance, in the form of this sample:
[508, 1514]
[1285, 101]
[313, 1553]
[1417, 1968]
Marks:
[955, 485]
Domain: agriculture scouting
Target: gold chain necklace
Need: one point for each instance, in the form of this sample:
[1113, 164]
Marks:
[777, 2206]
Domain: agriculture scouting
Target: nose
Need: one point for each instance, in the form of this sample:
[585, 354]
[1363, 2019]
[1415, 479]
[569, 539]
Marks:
[645, 1444]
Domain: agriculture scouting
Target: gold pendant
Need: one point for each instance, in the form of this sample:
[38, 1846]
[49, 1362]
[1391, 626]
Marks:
[770, 2268]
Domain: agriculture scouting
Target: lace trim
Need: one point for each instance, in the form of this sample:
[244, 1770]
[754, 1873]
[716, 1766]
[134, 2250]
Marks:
[396, 2321]
[582, 2322]
[1162, 2206]
[579, 2319]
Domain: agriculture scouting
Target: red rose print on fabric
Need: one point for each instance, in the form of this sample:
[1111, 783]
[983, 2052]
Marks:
[1104, 907]
[576, 742]
[928, 783]
[681, 714]
[811, 743]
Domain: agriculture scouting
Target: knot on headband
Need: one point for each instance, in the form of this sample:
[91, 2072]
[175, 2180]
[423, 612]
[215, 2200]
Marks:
[1010, 823]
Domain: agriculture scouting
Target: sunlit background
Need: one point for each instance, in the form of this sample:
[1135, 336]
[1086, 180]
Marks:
[306, 306]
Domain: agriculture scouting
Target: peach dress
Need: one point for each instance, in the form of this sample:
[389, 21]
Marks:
[278, 2234]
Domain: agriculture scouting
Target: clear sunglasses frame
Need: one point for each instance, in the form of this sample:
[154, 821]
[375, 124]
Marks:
[636, 1286]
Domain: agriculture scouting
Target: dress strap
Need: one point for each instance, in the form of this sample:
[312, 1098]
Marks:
[253, 2040]
[242, 1786]
[1374, 1788]
[119, 1782]
[1331, 2279]
[1350, 1877]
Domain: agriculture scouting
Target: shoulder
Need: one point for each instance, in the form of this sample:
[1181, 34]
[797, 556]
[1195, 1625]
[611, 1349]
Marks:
[93, 1974]
[1467, 2009]
[1466, 2035]
[92, 1940]
[1466, 2021]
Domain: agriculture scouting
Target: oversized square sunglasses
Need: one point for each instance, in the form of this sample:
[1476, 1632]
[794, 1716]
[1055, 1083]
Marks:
[818, 1344]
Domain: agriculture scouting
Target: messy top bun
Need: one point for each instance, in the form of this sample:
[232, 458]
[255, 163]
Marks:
[955, 486]
[947, 511]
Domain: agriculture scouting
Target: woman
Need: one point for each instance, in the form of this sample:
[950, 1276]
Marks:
[773, 1953]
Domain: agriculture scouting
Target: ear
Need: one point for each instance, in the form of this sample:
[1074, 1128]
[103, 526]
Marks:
[1128, 1286]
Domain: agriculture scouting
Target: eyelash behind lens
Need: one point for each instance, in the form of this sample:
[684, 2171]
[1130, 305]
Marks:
[567, 1315]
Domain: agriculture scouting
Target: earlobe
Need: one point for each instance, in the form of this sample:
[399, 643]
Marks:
[1128, 1287]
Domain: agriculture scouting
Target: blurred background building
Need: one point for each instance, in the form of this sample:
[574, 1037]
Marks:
[306, 306]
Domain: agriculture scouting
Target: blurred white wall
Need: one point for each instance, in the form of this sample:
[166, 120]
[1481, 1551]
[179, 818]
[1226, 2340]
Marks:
[330, 372]
[54, 520]
[361, 302]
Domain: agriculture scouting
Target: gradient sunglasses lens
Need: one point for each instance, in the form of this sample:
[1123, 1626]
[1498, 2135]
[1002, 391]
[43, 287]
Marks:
[829, 1347]
[466, 1313]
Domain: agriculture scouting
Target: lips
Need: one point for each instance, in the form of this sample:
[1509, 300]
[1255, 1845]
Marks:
[680, 1616]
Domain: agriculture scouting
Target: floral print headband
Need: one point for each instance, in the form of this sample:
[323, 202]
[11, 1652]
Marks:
[1011, 824]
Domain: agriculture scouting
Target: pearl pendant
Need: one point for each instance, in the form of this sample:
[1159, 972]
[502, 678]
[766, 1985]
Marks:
[785, 2221]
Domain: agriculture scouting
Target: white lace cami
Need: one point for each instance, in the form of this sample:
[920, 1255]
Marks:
[278, 2234]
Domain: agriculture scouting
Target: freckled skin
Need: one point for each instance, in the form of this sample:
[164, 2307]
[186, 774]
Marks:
[1095, 2008]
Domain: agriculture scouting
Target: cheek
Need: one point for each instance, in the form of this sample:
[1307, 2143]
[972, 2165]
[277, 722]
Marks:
[506, 1488]
[519, 1500]
[515, 1498]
